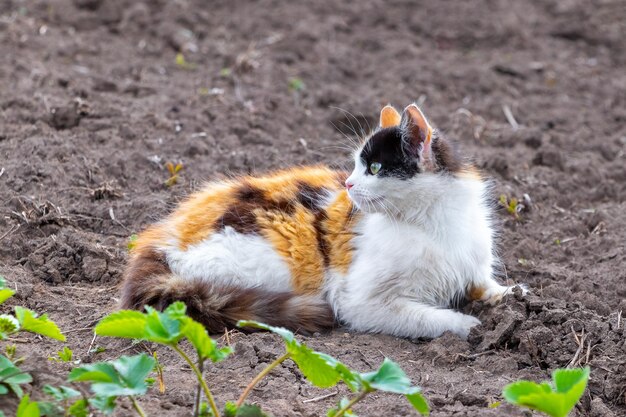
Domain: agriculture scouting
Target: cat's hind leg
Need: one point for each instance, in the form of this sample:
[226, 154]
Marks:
[405, 317]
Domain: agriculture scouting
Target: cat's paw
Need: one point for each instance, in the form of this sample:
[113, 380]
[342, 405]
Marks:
[494, 296]
[464, 324]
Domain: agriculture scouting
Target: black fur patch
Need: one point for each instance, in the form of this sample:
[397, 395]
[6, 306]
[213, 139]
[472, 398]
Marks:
[397, 160]
[386, 148]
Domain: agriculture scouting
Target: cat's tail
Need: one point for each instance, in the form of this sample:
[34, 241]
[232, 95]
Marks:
[149, 281]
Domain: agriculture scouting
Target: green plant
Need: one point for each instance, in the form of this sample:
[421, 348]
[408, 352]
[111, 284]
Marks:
[27, 408]
[173, 171]
[11, 376]
[296, 84]
[512, 206]
[325, 371]
[132, 242]
[556, 399]
[65, 355]
[168, 328]
[182, 62]
[125, 376]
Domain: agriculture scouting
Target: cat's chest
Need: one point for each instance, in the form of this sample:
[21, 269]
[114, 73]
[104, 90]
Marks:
[390, 248]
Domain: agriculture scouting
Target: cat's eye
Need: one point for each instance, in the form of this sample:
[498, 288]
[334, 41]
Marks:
[375, 167]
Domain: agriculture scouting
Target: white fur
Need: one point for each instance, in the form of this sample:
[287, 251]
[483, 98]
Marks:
[232, 258]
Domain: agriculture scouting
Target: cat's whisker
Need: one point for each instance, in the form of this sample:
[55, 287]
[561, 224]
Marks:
[354, 143]
[346, 112]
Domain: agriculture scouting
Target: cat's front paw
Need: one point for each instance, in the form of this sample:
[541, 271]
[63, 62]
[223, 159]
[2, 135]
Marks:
[464, 324]
[495, 295]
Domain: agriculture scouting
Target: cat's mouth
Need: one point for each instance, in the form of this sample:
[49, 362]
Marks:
[366, 203]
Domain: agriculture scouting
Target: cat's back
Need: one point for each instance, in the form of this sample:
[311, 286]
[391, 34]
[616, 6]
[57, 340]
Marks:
[283, 230]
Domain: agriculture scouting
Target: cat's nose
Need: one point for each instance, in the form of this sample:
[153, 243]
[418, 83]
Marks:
[349, 185]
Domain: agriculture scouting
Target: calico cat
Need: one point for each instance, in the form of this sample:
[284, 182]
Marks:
[388, 248]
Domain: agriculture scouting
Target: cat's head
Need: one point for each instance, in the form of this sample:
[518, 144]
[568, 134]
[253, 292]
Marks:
[403, 163]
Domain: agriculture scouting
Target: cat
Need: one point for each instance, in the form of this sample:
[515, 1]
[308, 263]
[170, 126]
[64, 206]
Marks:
[387, 249]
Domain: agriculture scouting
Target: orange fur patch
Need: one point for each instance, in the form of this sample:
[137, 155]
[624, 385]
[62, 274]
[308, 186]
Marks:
[294, 238]
[338, 227]
[196, 217]
[152, 237]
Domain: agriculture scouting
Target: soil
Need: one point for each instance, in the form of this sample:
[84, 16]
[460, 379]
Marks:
[94, 103]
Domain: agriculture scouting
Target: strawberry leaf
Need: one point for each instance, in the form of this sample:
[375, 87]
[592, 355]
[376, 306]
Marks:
[569, 386]
[30, 322]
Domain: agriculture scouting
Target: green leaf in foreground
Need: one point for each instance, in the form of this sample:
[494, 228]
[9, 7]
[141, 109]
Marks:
[389, 377]
[104, 404]
[8, 325]
[30, 322]
[61, 393]
[205, 346]
[27, 408]
[246, 410]
[124, 376]
[80, 408]
[317, 367]
[5, 293]
[557, 400]
[342, 404]
[12, 377]
[124, 323]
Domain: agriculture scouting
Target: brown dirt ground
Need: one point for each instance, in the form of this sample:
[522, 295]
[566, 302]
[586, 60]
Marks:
[93, 104]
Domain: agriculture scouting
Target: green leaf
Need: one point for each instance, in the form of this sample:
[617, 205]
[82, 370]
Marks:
[29, 321]
[5, 294]
[80, 408]
[105, 404]
[281, 331]
[389, 377]
[569, 386]
[27, 408]
[166, 327]
[246, 410]
[12, 377]
[205, 346]
[124, 376]
[95, 372]
[66, 354]
[320, 369]
[314, 365]
[343, 403]
[230, 409]
[3, 390]
[418, 402]
[61, 393]
[124, 323]
[8, 325]
[352, 379]
[50, 409]
[134, 370]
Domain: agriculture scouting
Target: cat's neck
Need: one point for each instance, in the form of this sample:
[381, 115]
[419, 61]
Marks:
[442, 205]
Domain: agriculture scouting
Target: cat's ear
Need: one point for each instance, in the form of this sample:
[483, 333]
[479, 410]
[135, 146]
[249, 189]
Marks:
[389, 117]
[417, 132]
